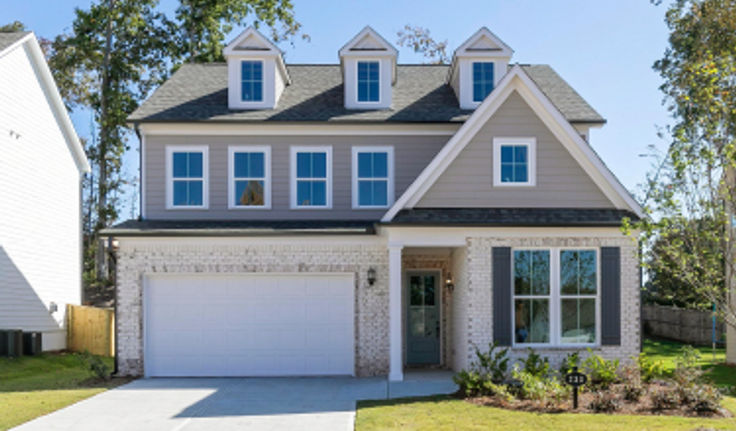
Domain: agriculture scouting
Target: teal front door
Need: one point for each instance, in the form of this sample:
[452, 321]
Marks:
[423, 318]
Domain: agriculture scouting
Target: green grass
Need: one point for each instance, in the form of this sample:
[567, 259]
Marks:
[33, 386]
[449, 413]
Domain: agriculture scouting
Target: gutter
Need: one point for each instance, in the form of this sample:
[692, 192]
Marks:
[233, 232]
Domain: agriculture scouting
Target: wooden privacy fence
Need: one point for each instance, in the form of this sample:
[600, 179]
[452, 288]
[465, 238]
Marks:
[91, 329]
[687, 326]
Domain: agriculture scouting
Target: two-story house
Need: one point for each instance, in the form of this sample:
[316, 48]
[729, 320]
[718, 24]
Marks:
[367, 216]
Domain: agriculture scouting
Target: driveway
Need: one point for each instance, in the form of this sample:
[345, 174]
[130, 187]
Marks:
[255, 404]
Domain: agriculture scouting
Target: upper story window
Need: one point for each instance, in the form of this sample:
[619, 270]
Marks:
[186, 171]
[559, 309]
[482, 80]
[368, 81]
[373, 177]
[514, 162]
[251, 81]
[311, 177]
[249, 177]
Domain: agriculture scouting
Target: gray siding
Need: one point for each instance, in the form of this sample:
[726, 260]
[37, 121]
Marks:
[412, 154]
[468, 181]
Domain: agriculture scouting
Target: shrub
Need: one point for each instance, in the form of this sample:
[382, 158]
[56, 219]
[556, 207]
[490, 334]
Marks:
[687, 371]
[632, 388]
[601, 373]
[664, 399]
[493, 364]
[95, 365]
[604, 402]
[570, 361]
[633, 392]
[535, 365]
[706, 398]
[649, 369]
[544, 389]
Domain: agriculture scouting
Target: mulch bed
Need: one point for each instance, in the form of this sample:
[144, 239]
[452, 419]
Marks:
[641, 407]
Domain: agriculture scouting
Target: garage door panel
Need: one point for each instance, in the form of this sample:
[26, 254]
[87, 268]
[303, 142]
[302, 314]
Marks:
[240, 325]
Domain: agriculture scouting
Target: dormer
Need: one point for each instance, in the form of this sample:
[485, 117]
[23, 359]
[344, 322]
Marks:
[368, 64]
[256, 72]
[477, 67]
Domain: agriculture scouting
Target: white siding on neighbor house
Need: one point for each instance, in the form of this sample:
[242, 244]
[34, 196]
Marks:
[40, 259]
[560, 180]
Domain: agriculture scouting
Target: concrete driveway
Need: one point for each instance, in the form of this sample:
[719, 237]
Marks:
[255, 404]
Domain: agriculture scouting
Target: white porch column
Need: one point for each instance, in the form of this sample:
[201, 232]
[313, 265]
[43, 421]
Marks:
[396, 364]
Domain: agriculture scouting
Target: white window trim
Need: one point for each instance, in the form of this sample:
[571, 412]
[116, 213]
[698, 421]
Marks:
[555, 323]
[328, 188]
[266, 150]
[472, 80]
[531, 144]
[389, 150]
[240, 81]
[170, 150]
[357, 83]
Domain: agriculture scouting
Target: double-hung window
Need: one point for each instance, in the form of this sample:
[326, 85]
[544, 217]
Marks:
[249, 170]
[311, 177]
[251, 81]
[369, 84]
[373, 182]
[556, 297]
[514, 161]
[482, 80]
[186, 173]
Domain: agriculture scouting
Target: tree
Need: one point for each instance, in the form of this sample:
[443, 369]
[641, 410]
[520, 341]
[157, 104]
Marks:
[693, 196]
[203, 24]
[420, 40]
[12, 27]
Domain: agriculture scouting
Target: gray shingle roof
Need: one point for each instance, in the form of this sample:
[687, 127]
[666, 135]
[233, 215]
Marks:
[9, 38]
[512, 217]
[198, 92]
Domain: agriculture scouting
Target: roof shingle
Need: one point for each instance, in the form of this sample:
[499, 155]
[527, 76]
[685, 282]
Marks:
[9, 38]
[198, 92]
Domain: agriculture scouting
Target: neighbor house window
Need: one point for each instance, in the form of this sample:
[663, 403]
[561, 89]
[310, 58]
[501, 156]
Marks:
[373, 177]
[368, 81]
[555, 296]
[311, 180]
[249, 177]
[186, 169]
[251, 81]
[482, 80]
[514, 162]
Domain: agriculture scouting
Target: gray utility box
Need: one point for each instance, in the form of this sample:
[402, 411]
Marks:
[11, 342]
[31, 343]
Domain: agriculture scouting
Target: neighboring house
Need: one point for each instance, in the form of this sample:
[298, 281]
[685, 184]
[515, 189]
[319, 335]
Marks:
[364, 217]
[41, 169]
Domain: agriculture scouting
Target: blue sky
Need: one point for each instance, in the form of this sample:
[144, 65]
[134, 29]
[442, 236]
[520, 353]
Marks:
[604, 49]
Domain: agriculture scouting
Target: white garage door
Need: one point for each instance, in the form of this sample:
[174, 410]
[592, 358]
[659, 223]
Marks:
[249, 325]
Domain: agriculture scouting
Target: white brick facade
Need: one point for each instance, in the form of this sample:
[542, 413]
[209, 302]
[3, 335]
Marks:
[467, 312]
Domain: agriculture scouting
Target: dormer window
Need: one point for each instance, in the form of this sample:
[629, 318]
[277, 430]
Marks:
[368, 64]
[251, 83]
[482, 79]
[369, 81]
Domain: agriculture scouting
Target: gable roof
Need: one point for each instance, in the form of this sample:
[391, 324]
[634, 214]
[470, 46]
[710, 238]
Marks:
[198, 93]
[252, 42]
[518, 80]
[484, 40]
[10, 42]
[368, 40]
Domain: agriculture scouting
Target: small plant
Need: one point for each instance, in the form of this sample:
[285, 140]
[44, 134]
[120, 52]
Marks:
[535, 365]
[96, 365]
[493, 364]
[649, 368]
[601, 373]
[632, 388]
[633, 392]
[706, 398]
[571, 360]
[544, 389]
[664, 399]
[687, 371]
[604, 402]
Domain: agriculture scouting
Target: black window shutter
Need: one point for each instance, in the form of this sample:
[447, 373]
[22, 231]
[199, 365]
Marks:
[501, 267]
[610, 296]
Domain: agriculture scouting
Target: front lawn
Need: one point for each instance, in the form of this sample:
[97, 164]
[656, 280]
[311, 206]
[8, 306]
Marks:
[33, 386]
[450, 413]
